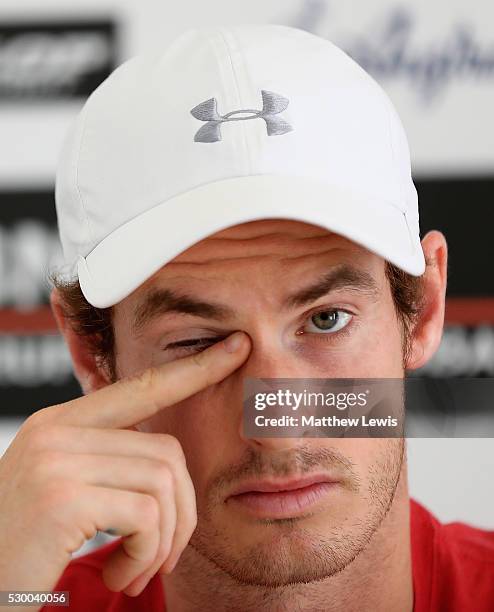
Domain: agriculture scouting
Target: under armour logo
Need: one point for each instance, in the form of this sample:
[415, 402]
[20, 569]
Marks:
[272, 105]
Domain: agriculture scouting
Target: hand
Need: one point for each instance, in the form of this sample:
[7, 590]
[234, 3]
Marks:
[79, 467]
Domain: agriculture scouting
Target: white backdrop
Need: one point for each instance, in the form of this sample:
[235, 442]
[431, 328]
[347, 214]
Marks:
[435, 59]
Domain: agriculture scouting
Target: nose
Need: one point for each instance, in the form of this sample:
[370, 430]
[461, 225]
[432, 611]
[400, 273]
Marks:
[273, 361]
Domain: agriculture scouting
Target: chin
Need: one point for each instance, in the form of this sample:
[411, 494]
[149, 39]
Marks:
[281, 552]
[288, 558]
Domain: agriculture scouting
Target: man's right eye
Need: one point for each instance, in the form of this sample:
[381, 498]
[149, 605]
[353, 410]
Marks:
[193, 344]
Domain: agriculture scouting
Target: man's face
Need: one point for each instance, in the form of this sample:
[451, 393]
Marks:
[315, 305]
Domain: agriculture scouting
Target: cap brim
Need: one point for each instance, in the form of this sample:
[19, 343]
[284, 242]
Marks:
[135, 251]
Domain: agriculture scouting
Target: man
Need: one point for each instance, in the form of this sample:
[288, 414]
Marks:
[240, 205]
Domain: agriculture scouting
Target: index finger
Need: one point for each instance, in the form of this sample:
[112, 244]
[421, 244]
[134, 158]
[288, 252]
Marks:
[132, 400]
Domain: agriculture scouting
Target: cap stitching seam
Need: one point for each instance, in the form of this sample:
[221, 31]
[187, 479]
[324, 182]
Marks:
[393, 152]
[239, 97]
[81, 200]
[402, 190]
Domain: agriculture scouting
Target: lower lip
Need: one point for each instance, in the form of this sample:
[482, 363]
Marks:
[283, 504]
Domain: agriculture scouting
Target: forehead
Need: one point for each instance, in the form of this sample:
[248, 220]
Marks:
[278, 238]
[263, 264]
[260, 251]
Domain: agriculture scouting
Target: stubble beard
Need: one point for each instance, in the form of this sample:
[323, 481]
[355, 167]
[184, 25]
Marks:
[295, 554]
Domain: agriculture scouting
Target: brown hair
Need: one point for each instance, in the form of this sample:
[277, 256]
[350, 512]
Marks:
[95, 325]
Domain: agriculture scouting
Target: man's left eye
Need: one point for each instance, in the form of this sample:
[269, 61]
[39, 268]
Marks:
[328, 321]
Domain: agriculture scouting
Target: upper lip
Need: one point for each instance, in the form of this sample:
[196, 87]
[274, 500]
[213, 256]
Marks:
[273, 485]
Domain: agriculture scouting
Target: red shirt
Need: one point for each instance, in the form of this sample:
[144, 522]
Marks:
[453, 571]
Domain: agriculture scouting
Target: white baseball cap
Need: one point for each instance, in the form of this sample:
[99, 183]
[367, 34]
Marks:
[228, 125]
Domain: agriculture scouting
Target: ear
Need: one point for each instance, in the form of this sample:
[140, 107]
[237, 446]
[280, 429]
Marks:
[428, 329]
[90, 375]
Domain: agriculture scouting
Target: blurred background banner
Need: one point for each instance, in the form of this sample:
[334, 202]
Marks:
[435, 60]
[50, 60]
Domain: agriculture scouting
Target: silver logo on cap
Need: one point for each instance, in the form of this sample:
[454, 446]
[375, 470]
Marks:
[272, 105]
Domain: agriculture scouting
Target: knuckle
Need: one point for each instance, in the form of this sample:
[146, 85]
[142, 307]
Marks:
[198, 359]
[148, 510]
[41, 438]
[164, 480]
[202, 361]
[36, 438]
[164, 550]
[162, 474]
[145, 380]
[172, 448]
[34, 420]
[42, 416]
[144, 384]
[190, 519]
[88, 530]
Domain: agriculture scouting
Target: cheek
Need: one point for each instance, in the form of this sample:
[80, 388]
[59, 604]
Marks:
[362, 452]
[373, 458]
[375, 351]
[182, 421]
[204, 431]
[381, 348]
[385, 356]
[130, 359]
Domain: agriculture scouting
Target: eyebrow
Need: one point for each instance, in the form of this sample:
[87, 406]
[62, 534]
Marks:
[160, 302]
[165, 301]
[343, 276]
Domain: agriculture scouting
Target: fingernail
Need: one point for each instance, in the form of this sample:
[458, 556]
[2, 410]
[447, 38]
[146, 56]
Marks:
[234, 342]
